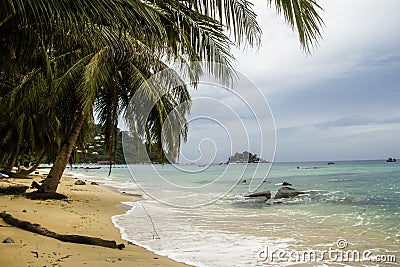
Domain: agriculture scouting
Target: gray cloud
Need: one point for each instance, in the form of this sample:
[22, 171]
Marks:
[339, 103]
[355, 121]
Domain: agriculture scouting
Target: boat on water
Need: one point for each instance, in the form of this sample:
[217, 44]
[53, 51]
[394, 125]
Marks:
[391, 160]
[92, 168]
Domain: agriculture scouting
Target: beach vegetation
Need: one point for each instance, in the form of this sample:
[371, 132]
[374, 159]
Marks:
[65, 62]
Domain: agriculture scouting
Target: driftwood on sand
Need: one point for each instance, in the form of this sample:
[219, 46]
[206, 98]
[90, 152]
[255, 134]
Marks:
[38, 229]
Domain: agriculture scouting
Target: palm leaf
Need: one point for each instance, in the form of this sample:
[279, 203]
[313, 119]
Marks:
[303, 16]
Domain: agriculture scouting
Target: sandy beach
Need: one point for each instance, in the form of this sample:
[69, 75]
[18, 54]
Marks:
[87, 212]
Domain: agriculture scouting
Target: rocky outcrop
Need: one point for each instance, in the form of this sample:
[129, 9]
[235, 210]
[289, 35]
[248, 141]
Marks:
[266, 194]
[287, 192]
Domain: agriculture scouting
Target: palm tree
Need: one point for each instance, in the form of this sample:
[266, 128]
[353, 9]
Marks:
[105, 59]
[124, 53]
[27, 28]
[28, 127]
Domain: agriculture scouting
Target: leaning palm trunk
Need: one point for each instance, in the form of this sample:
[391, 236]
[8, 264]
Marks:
[13, 158]
[52, 180]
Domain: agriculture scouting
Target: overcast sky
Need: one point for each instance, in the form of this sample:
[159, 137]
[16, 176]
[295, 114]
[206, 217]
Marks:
[341, 102]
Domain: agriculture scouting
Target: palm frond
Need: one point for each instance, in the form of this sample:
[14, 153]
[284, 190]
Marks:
[302, 15]
[96, 75]
[236, 15]
[196, 37]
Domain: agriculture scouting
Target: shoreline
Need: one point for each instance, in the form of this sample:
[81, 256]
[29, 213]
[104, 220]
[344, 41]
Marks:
[88, 211]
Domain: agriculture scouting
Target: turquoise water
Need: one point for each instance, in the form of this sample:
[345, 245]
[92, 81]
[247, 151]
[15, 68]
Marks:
[357, 201]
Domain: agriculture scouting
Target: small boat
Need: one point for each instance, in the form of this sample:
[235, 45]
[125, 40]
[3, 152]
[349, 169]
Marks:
[331, 163]
[92, 168]
[391, 160]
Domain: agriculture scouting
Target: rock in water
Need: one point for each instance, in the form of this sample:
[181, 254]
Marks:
[8, 240]
[284, 184]
[80, 182]
[266, 194]
[94, 183]
[287, 192]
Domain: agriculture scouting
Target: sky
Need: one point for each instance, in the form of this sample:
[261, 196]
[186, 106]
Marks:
[339, 103]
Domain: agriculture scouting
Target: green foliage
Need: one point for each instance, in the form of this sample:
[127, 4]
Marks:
[62, 60]
[303, 16]
[95, 150]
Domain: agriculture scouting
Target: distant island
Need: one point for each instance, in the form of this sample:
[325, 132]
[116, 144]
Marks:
[245, 157]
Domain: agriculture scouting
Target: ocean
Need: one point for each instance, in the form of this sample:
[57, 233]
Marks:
[348, 214]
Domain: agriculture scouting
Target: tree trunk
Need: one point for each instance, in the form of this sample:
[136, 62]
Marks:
[34, 167]
[3, 161]
[13, 159]
[38, 229]
[52, 180]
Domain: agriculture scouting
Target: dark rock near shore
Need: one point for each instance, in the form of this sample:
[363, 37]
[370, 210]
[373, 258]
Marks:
[80, 182]
[8, 240]
[266, 194]
[287, 192]
[94, 183]
[284, 184]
